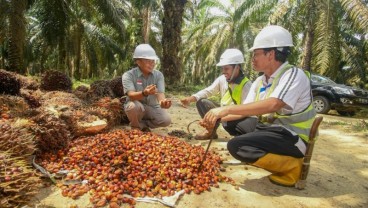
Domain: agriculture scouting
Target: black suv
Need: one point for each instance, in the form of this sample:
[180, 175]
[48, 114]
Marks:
[344, 99]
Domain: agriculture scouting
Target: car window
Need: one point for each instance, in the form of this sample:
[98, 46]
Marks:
[321, 79]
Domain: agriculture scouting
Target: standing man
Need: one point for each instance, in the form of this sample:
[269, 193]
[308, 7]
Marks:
[283, 98]
[144, 86]
[233, 87]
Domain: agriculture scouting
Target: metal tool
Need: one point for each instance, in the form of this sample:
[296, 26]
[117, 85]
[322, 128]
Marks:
[208, 146]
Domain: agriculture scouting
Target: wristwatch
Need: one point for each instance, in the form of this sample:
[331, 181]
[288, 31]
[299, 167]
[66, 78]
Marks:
[144, 94]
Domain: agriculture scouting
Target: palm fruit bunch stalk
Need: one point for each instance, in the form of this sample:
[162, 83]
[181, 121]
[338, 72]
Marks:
[53, 80]
[9, 83]
[18, 181]
[13, 106]
[17, 138]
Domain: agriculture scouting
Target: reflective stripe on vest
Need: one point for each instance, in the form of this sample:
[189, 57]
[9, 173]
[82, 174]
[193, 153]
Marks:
[300, 123]
[235, 95]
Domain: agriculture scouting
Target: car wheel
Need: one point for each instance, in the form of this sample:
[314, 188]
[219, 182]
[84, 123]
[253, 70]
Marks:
[321, 104]
[346, 113]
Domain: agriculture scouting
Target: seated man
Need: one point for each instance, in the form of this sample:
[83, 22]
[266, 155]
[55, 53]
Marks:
[233, 87]
[146, 105]
[282, 95]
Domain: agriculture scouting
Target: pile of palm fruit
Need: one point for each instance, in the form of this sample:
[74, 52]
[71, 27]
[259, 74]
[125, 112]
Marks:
[43, 116]
[71, 131]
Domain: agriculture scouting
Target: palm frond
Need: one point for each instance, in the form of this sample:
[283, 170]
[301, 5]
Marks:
[358, 13]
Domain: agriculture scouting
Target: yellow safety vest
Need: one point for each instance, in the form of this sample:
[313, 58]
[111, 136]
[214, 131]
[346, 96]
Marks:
[234, 96]
[300, 123]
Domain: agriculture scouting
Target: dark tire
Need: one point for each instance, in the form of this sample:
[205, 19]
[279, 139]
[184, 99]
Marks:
[346, 113]
[321, 104]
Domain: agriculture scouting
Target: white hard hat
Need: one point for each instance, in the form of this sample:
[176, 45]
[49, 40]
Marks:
[272, 36]
[231, 56]
[145, 51]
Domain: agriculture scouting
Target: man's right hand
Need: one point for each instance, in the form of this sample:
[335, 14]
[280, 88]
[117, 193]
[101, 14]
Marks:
[186, 101]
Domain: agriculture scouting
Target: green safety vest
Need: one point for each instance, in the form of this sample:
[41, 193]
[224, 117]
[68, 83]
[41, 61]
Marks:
[233, 96]
[300, 123]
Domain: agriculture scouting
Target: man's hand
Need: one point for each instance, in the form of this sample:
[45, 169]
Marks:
[150, 90]
[165, 103]
[213, 115]
[187, 100]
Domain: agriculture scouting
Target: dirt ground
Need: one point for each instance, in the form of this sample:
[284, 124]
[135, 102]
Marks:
[338, 175]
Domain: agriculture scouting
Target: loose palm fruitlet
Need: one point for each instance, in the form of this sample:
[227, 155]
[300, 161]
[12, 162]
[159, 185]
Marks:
[18, 182]
[135, 163]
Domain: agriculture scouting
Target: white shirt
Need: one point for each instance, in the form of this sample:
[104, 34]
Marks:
[293, 89]
[220, 85]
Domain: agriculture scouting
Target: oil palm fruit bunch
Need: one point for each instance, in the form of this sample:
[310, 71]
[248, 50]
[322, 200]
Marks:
[116, 107]
[28, 83]
[99, 89]
[116, 86]
[18, 181]
[9, 83]
[32, 99]
[55, 81]
[52, 133]
[81, 92]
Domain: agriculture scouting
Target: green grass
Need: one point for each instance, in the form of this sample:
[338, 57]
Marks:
[361, 125]
[358, 126]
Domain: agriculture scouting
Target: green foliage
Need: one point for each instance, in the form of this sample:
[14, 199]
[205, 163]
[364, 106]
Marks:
[360, 125]
[357, 126]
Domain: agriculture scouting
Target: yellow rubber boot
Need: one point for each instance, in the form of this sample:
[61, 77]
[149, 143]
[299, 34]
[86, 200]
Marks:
[285, 169]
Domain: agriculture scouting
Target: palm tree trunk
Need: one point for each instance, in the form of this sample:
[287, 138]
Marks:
[146, 24]
[17, 34]
[307, 57]
[171, 39]
[307, 54]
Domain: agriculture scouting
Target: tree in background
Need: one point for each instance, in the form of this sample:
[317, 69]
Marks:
[13, 23]
[171, 39]
[332, 33]
[216, 26]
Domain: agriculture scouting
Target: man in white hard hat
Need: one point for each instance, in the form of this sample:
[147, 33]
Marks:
[233, 87]
[282, 95]
[145, 87]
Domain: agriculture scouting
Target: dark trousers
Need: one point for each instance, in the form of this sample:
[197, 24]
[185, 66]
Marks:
[234, 128]
[265, 139]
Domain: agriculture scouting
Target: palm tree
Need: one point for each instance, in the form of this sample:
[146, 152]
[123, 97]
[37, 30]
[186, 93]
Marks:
[217, 26]
[14, 11]
[171, 39]
[328, 29]
[88, 34]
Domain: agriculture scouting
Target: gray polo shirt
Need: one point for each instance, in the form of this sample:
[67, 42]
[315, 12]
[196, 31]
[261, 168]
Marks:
[133, 80]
